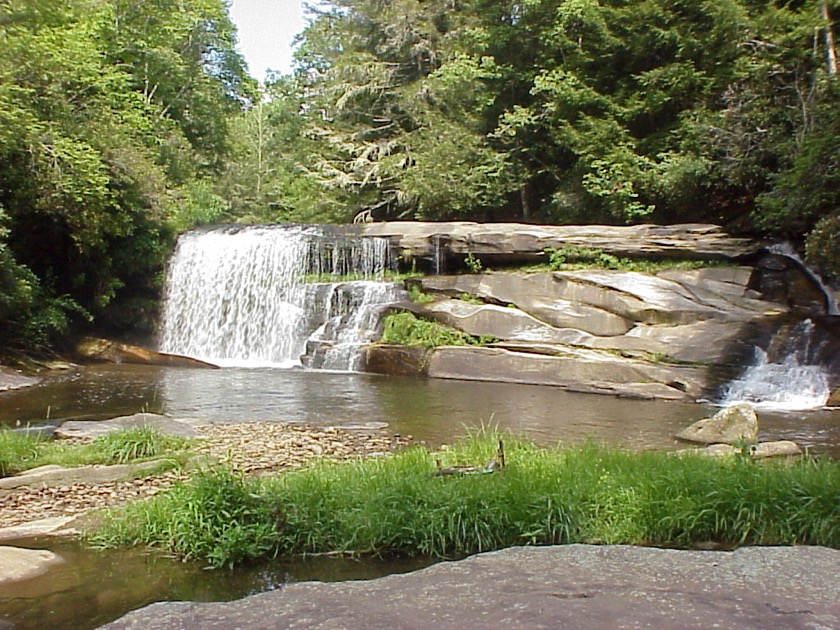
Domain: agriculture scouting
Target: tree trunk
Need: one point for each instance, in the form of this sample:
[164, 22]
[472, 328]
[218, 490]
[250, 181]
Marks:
[830, 49]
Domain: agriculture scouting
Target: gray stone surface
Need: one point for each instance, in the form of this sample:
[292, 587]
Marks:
[571, 368]
[517, 241]
[21, 564]
[55, 525]
[181, 427]
[12, 379]
[728, 426]
[52, 475]
[574, 586]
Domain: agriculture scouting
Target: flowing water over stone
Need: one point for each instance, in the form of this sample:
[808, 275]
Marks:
[240, 296]
[795, 379]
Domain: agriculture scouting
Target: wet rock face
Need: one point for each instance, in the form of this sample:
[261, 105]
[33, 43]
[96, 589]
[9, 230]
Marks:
[783, 280]
[11, 379]
[395, 360]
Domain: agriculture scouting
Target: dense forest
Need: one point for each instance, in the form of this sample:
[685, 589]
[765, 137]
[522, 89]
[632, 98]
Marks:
[123, 123]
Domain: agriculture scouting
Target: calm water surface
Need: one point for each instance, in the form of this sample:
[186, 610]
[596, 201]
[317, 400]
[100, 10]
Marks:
[92, 588]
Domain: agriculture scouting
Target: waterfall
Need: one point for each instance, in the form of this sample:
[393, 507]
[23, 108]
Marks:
[795, 380]
[787, 250]
[253, 296]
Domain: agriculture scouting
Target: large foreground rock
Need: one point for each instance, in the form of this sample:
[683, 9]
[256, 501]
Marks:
[574, 586]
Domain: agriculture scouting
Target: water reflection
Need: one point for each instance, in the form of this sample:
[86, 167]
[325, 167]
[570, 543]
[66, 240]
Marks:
[91, 589]
[432, 410]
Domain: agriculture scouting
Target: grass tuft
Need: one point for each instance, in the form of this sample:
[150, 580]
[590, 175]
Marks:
[135, 443]
[20, 451]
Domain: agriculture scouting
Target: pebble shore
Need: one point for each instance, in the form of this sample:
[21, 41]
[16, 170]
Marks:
[252, 448]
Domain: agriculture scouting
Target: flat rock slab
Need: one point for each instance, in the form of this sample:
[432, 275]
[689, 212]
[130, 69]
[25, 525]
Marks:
[21, 564]
[52, 475]
[573, 586]
[10, 379]
[55, 525]
[182, 427]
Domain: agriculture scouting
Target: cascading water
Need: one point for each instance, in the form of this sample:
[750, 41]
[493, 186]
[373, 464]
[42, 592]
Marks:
[351, 316]
[787, 250]
[240, 296]
[795, 380]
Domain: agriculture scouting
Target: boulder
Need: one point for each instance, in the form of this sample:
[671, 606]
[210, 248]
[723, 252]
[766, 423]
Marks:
[574, 369]
[182, 427]
[50, 526]
[395, 360]
[52, 475]
[834, 398]
[104, 350]
[732, 425]
[564, 586]
[21, 564]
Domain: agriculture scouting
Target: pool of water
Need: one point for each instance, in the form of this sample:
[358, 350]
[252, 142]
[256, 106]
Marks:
[91, 587]
[432, 410]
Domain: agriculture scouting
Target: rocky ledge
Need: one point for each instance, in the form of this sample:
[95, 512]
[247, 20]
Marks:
[574, 586]
[519, 242]
[674, 335]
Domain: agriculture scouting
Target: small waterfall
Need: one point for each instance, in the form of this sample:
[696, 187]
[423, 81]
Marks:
[787, 250]
[245, 296]
[351, 312]
[795, 380]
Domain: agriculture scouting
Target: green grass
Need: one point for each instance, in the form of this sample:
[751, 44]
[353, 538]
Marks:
[21, 451]
[573, 258]
[395, 505]
[409, 330]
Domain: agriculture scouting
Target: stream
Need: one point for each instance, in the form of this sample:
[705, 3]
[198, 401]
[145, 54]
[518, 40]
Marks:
[94, 587]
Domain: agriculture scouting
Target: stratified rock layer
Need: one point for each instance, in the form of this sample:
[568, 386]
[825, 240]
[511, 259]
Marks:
[660, 336]
[510, 242]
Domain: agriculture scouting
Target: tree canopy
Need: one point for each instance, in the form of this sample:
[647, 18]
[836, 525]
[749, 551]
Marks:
[113, 119]
[561, 111]
[123, 123]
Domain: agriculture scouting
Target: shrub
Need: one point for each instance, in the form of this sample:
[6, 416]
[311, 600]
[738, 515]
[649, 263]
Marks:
[408, 330]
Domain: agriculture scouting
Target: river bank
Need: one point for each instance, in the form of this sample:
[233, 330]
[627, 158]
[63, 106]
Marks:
[249, 448]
